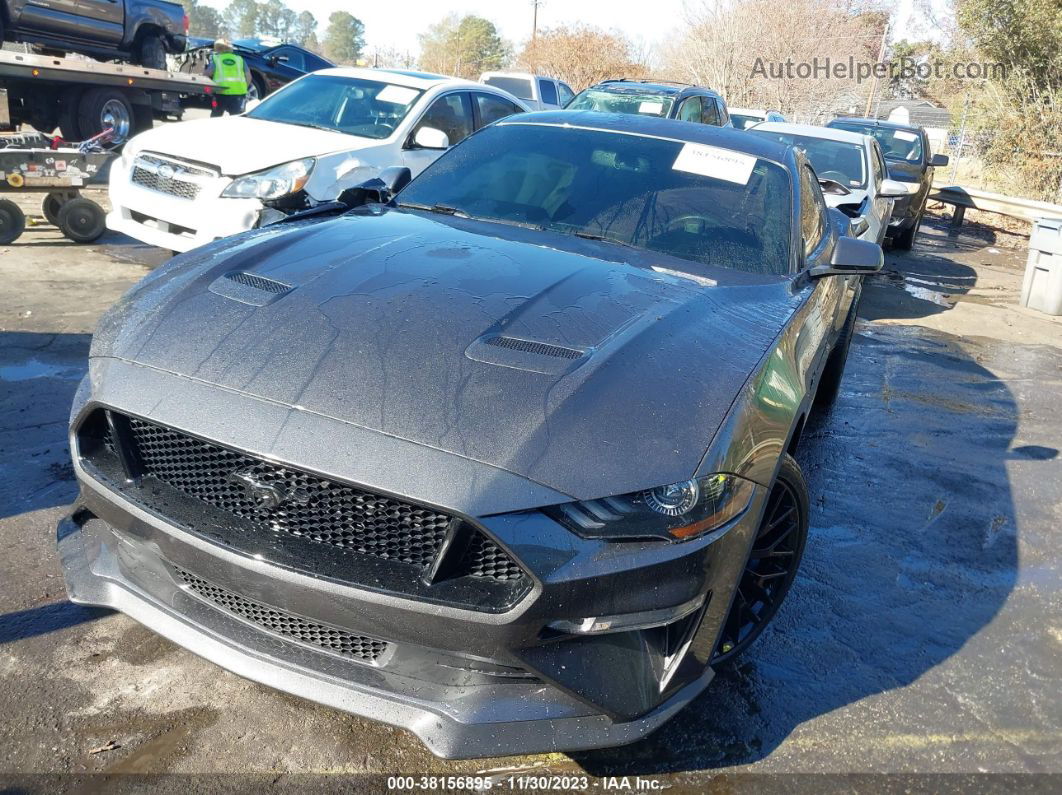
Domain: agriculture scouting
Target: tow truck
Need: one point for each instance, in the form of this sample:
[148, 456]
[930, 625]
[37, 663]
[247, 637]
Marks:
[83, 97]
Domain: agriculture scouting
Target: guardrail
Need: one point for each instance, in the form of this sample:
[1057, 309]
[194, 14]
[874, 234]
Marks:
[963, 198]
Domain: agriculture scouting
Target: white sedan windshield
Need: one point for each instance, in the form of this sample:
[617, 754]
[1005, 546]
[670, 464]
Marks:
[351, 105]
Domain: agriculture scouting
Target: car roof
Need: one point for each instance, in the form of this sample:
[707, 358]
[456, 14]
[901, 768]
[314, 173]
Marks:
[421, 80]
[523, 75]
[890, 125]
[656, 127]
[813, 131]
[656, 87]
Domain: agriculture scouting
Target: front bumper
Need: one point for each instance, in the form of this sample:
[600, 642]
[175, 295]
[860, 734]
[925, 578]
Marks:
[467, 682]
[173, 222]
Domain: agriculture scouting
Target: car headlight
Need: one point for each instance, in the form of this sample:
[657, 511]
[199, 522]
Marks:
[271, 183]
[676, 512]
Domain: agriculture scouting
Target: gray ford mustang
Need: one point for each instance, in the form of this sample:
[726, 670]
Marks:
[503, 459]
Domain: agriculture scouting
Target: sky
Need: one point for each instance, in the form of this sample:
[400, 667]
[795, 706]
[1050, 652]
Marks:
[396, 23]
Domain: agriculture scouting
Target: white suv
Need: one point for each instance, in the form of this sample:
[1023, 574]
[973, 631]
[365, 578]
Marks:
[540, 93]
[181, 185]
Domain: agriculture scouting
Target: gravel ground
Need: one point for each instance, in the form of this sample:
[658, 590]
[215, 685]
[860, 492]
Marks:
[923, 634]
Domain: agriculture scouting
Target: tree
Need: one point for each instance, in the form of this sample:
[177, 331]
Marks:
[305, 31]
[241, 18]
[275, 19]
[203, 21]
[582, 56]
[1020, 109]
[345, 37]
[760, 53]
[463, 46]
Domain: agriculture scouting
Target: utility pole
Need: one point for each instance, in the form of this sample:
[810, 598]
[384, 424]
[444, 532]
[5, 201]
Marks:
[881, 59]
[534, 31]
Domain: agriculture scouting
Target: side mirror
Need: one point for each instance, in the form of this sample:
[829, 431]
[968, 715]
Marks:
[851, 257]
[892, 189]
[938, 160]
[431, 138]
[379, 190]
[858, 226]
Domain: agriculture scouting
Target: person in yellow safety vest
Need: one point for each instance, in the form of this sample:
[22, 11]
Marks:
[233, 77]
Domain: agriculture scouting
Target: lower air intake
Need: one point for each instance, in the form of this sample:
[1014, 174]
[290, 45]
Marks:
[290, 626]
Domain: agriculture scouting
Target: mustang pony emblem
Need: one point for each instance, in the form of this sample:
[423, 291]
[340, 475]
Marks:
[264, 494]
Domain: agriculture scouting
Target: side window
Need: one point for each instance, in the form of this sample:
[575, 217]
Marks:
[711, 113]
[548, 91]
[490, 108]
[451, 113]
[812, 211]
[294, 58]
[691, 110]
[566, 94]
[724, 114]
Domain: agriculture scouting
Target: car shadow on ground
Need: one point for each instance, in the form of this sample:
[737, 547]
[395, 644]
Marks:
[912, 551]
[920, 283]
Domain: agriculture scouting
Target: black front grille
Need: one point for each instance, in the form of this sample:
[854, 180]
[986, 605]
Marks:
[291, 626]
[310, 507]
[298, 519]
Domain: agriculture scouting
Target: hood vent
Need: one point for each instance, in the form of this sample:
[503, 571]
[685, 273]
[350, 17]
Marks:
[249, 288]
[539, 348]
[258, 282]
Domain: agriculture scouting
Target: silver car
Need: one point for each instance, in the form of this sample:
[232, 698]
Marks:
[850, 168]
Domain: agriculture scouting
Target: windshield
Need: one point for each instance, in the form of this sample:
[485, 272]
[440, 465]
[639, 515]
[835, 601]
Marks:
[699, 203]
[644, 103]
[895, 144]
[837, 160]
[743, 121]
[349, 105]
[517, 86]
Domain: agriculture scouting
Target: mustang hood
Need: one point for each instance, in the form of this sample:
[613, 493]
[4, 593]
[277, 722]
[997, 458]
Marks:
[239, 145]
[532, 354]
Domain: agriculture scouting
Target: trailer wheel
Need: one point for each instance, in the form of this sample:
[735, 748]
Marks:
[12, 221]
[101, 108]
[81, 220]
[151, 52]
[54, 202]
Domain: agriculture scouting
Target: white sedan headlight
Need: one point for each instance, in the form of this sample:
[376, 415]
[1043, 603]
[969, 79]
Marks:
[272, 183]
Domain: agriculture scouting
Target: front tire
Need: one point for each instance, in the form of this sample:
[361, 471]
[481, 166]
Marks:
[904, 241]
[772, 563]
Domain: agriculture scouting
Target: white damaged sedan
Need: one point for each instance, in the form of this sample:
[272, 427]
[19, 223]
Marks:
[851, 170]
[179, 186]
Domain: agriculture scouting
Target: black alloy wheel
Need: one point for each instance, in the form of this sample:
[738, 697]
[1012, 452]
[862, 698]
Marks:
[772, 563]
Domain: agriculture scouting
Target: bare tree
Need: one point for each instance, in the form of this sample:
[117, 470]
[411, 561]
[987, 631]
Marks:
[582, 55]
[776, 53]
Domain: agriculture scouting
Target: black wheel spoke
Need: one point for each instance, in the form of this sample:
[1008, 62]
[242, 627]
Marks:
[768, 572]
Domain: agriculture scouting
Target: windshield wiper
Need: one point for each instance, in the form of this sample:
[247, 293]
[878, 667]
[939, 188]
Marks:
[602, 238]
[305, 124]
[441, 209]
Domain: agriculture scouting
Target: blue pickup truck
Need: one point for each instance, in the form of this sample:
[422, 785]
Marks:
[139, 31]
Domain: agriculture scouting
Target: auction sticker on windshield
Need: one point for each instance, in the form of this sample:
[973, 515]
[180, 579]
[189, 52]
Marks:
[651, 107]
[399, 95]
[903, 135]
[711, 161]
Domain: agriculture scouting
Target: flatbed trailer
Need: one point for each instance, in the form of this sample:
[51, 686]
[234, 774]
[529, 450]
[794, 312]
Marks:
[83, 97]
